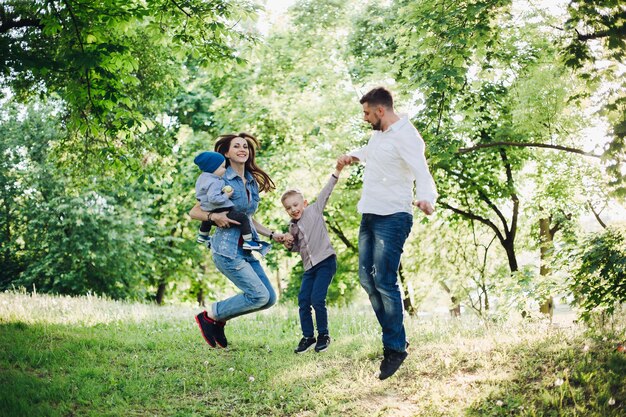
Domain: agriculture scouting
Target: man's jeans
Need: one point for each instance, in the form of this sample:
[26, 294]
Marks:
[246, 273]
[381, 239]
[313, 292]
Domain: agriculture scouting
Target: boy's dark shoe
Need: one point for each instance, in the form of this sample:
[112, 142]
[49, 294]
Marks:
[392, 359]
[305, 344]
[212, 331]
[251, 245]
[323, 341]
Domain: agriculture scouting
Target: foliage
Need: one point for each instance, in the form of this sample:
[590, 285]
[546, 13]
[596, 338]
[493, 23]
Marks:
[73, 235]
[113, 63]
[599, 281]
[282, 98]
[137, 88]
[595, 32]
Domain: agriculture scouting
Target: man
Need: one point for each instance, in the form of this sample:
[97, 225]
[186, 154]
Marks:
[394, 158]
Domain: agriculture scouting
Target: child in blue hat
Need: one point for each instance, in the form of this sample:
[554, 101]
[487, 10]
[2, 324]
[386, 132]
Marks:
[214, 197]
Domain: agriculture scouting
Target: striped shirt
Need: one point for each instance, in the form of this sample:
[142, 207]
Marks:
[310, 234]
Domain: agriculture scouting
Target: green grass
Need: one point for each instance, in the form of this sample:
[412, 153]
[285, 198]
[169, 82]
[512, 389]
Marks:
[87, 356]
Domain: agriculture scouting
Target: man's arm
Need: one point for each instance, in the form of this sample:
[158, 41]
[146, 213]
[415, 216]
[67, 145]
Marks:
[425, 190]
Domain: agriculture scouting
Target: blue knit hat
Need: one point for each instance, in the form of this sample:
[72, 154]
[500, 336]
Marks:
[209, 161]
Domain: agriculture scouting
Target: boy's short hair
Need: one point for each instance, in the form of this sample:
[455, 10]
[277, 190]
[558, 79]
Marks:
[289, 193]
[379, 96]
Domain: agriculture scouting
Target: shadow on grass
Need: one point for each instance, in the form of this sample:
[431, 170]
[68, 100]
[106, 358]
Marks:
[556, 377]
[26, 388]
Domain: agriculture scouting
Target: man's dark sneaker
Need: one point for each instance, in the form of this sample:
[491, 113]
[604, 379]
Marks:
[305, 344]
[212, 331]
[392, 359]
[323, 340]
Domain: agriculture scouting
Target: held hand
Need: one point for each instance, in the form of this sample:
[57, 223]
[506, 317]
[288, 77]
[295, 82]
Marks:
[288, 238]
[279, 237]
[425, 206]
[221, 220]
[343, 160]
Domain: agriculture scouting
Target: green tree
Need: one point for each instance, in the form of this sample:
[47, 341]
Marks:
[593, 35]
[293, 96]
[599, 280]
[113, 63]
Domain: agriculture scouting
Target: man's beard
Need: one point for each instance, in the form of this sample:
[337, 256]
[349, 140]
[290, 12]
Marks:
[377, 125]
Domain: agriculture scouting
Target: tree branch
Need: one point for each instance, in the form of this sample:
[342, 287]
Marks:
[476, 217]
[596, 214]
[485, 198]
[514, 197]
[601, 34]
[23, 23]
[337, 230]
[527, 145]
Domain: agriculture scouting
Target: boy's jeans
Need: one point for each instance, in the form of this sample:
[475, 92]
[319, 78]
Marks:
[381, 239]
[246, 273]
[315, 283]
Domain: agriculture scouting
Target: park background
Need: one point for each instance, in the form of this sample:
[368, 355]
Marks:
[522, 106]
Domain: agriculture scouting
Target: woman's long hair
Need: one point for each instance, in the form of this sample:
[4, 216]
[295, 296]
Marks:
[222, 145]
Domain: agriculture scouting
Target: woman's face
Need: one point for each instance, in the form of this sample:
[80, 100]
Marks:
[238, 151]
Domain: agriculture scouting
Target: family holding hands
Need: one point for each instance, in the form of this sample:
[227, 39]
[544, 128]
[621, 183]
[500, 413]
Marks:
[228, 197]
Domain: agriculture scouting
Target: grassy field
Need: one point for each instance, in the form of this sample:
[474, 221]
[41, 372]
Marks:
[88, 356]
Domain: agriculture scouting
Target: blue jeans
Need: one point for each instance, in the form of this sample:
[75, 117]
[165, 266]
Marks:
[246, 273]
[315, 283]
[381, 239]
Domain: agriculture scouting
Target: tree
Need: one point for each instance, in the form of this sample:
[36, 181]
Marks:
[595, 32]
[114, 64]
[600, 273]
[293, 96]
[60, 238]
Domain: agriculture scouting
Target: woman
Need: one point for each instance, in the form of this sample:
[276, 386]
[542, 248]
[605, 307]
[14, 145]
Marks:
[238, 265]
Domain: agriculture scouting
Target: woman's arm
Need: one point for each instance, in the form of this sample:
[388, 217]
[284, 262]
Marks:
[220, 219]
[265, 231]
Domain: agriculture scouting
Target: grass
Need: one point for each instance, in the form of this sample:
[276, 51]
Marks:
[88, 356]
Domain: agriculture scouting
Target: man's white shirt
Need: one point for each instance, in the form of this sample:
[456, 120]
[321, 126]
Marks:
[394, 160]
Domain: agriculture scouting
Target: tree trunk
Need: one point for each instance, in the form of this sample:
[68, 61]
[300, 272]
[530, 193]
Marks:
[407, 300]
[546, 247]
[455, 310]
[160, 293]
[509, 247]
[200, 297]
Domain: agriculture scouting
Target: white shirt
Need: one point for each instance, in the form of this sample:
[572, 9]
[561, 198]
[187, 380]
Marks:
[394, 160]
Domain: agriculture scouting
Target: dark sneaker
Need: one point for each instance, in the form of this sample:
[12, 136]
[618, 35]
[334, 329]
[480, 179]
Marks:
[323, 341]
[220, 337]
[212, 332]
[305, 344]
[251, 245]
[392, 359]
